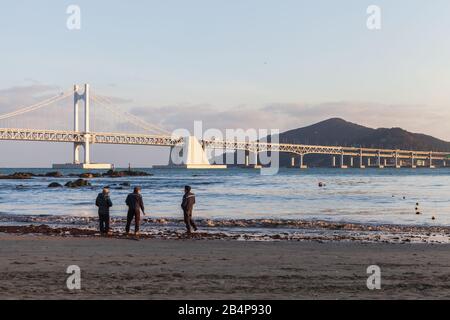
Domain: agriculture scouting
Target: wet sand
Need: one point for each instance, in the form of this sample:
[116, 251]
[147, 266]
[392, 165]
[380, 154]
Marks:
[34, 266]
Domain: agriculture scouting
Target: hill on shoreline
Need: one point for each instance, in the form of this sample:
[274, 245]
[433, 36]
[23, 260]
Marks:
[336, 131]
[339, 132]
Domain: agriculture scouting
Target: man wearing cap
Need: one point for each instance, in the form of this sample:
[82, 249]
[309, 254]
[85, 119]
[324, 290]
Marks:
[135, 205]
[188, 206]
[103, 202]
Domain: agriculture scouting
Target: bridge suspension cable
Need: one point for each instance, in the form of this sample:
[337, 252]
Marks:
[36, 106]
[105, 102]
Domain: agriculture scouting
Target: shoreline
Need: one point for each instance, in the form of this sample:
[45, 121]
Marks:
[34, 267]
[238, 230]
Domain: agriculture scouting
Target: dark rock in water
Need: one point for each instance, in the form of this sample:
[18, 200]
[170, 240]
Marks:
[70, 184]
[17, 176]
[82, 183]
[78, 183]
[125, 184]
[55, 174]
[55, 185]
[127, 173]
[89, 175]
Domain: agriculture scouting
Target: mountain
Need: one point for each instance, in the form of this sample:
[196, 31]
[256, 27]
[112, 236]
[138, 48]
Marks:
[330, 132]
[337, 131]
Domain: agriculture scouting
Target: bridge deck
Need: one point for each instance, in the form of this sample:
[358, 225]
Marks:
[169, 141]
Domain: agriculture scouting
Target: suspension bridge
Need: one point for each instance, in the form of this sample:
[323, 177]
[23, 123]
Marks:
[191, 151]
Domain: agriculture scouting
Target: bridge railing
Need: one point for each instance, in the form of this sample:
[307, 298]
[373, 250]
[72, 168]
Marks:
[171, 141]
[319, 149]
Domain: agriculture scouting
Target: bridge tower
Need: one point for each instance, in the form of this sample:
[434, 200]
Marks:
[76, 125]
[85, 133]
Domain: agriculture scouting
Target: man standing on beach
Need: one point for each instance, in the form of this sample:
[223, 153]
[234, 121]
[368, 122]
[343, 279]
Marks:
[188, 205]
[135, 205]
[103, 202]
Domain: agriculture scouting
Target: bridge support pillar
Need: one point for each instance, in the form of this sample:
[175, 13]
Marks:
[343, 166]
[379, 165]
[87, 149]
[413, 162]
[333, 162]
[369, 162]
[190, 155]
[351, 162]
[361, 160]
[397, 164]
[301, 164]
[292, 162]
[87, 125]
[76, 124]
[257, 165]
[76, 152]
[431, 161]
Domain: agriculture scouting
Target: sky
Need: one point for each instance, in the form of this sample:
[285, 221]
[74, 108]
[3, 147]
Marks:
[232, 64]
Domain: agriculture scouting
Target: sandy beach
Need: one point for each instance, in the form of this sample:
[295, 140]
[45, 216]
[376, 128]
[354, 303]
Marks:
[34, 267]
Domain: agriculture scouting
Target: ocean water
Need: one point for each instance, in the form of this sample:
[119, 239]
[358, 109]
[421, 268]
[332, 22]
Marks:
[369, 196]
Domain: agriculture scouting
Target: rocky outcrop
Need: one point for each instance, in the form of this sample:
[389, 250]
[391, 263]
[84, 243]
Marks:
[55, 174]
[78, 183]
[126, 173]
[17, 176]
[89, 175]
[55, 185]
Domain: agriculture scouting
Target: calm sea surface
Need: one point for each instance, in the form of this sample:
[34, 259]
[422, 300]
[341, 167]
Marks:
[353, 195]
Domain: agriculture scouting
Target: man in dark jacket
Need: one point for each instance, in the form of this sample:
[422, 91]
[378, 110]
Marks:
[103, 202]
[188, 205]
[135, 205]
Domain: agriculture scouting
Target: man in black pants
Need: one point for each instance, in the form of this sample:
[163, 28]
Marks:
[103, 202]
[188, 205]
[135, 205]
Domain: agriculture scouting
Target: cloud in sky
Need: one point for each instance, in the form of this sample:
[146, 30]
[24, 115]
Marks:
[285, 116]
[22, 96]
[55, 116]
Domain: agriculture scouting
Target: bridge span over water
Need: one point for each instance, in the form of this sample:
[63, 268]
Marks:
[341, 156]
